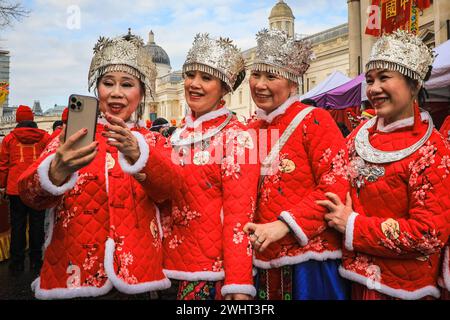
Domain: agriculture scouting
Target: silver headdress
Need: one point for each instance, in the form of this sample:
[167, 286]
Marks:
[219, 58]
[403, 52]
[123, 54]
[280, 54]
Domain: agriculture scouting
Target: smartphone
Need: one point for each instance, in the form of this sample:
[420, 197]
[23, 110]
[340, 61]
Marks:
[83, 111]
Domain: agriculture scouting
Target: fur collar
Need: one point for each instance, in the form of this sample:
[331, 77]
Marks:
[191, 123]
[262, 115]
[408, 122]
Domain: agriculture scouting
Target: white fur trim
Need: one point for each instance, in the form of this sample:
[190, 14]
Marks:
[47, 185]
[396, 293]
[399, 123]
[51, 224]
[121, 285]
[349, 228]
[295, 228]
[206, 117]
[262, 115]
[446, 268]
[140, 163]
[309, 255]
[195, 276]
[238, 288]
[69, 293]
[106, 175]
[158, 220]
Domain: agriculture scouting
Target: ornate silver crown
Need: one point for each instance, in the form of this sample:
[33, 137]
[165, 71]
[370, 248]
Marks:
[278, 53]
[217, 57]
[403, 52]
[123, 54]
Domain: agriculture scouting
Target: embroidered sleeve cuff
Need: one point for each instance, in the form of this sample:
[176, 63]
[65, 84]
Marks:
[143, 158]
[47, 185]
[239, 288]
[295, 228]
[349, 228]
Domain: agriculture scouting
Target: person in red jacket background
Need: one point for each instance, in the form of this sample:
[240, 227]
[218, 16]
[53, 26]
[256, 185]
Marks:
[19, 150]
[296, 254]
[395, 221]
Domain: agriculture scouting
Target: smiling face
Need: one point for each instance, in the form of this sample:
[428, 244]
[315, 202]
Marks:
[269, 91]
[390, 94]
[119, 93]
[203, 92]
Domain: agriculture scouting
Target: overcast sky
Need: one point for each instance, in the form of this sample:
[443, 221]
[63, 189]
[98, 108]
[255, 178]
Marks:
[52, 48]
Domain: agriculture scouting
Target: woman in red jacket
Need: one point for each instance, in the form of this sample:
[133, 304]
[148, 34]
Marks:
[105, 231]
[296, 254]
[206, 171]
[18, 151]
[395, 221]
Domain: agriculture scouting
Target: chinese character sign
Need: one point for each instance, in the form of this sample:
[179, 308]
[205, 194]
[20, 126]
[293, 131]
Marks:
[386, 16]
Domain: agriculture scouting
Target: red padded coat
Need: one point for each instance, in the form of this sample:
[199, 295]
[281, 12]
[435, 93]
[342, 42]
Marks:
[105, 231]
[19, 150]
[401, 221]
[311, 163]
[213, 191]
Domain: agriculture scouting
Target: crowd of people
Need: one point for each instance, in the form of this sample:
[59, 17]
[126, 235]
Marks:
[288, 206]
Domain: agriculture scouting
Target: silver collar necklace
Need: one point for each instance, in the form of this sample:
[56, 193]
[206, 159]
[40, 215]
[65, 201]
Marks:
[176, 141]
[366, 151]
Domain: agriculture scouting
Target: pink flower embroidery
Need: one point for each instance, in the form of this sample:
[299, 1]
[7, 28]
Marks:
[445, 164]
[175, 242]
[325, 157]
[238, 236]
[417, 167]
[230, 168]
[338, 168]
[97, 279]
[218, 265]
[428, 244]
[184, 216]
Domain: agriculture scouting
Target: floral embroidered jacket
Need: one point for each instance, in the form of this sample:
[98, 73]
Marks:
[401, 221]
[311, 163]
[104, 230]
[212, 186]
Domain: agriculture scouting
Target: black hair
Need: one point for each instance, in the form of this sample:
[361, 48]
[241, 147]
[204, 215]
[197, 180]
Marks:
[169, 131]
[309, 102]
[422, 95]
[158, 124]
[57, 124]
[27, 124]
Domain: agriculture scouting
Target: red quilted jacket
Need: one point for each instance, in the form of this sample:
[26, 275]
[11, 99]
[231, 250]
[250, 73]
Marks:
[213, 195]
[104, 229]
[311, 163]
[445, 128]
[394, 239]
[19, 150]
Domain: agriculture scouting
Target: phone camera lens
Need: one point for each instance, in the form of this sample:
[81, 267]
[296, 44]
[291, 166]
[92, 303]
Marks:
[73, 99]
[73, 106]
[79, 103]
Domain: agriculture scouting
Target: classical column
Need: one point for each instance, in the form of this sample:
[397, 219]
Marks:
[441, 12]
[354, 36]
[367, 41]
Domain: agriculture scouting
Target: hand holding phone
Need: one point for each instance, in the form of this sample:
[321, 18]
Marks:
[83, 111]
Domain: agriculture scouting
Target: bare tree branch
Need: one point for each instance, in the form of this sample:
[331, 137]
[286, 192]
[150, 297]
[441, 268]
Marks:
[10, 11]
